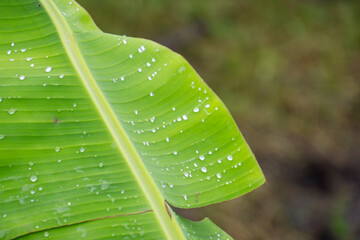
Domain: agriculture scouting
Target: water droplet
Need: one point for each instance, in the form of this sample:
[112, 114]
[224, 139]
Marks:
[229, 157]
[28, 59]
[202, 157]
[82, 149]
[185, 197]
[2, 137]
[57, 149]
[167, 139]
[11, 111]
[46, 234]
[9, 52]
[32, 192]
[136, 112]
[196, 109]
[181, 69]
[23, 50]
[175, 153]
[203, 169]
[218, 175]
[101, 164]
[33, 178]
[131, 56]
[48, 69]
[151, 94]
[12, 44]
[207, 105]
[69, 203]
[186, 174]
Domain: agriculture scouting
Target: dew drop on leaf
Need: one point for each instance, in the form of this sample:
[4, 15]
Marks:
[33, 178]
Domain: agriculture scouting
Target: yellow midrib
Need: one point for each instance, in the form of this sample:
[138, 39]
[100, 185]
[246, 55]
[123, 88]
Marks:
[147, 184]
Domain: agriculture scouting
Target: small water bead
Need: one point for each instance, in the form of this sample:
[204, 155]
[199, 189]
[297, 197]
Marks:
[32, 65]
[167, 139]
[9, 52]
[69, 203]
[46, 234]
[122, 78]
[219, 160]
[2, 136]
[12, 44]
[124, 41]
[203, 169]
[202, 157]
[141, 49]
[185, 117]
[218, 175]
[48, 69]
[28, 59]
[23, 50]
[101, 164]
[148, 64]
[173, 108]
[11, 111]
[229, 157]
[33, 178]
[57, 149]
[131, 56]
[186, 174]
[185, 197]
[150, 78]
[175, 153]
[196, 109]
[136, 112]
[82, 149]
[32, 192]
[153, 59]
[22, 77]
[151, 94]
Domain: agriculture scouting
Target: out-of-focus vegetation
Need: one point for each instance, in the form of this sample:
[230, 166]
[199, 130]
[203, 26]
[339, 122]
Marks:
[289, 71]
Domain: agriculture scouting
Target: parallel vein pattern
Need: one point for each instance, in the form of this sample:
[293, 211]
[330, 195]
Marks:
[61, 165]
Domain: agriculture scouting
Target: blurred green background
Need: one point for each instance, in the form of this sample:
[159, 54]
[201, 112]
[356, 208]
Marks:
[289, 71]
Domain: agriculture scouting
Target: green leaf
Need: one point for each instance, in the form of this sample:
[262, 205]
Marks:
[99, 132]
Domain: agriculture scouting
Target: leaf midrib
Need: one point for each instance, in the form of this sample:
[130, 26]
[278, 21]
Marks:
[170, 227]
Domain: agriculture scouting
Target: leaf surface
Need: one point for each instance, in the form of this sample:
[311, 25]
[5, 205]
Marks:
[98, 132]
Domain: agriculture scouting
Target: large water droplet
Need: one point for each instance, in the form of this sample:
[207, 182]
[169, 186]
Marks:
[11, 111]
[33, 178]
[229, 157]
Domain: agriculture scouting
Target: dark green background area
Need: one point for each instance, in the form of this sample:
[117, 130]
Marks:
[289, 71]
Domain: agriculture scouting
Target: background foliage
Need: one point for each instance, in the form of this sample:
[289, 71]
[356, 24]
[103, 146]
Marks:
[289, 73]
